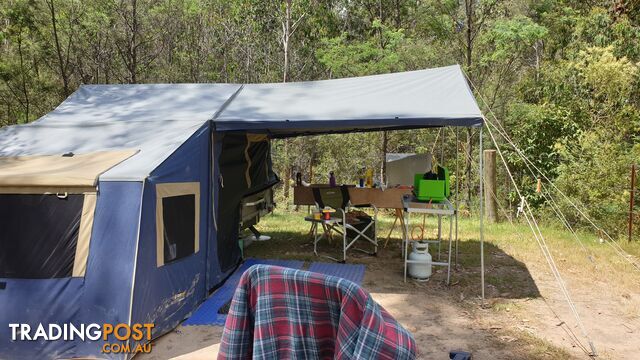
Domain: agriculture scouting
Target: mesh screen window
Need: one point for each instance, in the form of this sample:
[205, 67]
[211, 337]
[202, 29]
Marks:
[38, 235]
[178, 216]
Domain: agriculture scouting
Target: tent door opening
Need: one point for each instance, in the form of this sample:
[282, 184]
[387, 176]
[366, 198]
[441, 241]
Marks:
[245, 164]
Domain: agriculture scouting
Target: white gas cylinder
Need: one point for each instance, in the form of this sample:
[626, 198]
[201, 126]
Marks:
[420, 253]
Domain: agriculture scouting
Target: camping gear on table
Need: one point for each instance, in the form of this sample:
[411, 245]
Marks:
[432, 186]
[422, 270]
[327, 213]
[350, 228]
[282, 313]
[369, 178]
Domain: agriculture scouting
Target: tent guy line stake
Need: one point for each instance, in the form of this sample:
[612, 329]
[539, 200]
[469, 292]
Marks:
[541, 242]
[556, 209]
[537, 233]
[522, 236]
[614, 245]
[617, 248]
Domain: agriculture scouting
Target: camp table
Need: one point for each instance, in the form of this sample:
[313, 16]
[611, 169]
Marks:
[388, 198]
[440, 209]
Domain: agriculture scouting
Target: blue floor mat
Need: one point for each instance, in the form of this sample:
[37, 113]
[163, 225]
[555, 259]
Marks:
[207, 313]
[352, 272]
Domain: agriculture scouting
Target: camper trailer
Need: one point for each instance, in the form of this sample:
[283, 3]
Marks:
[124, 204]
[106, 211]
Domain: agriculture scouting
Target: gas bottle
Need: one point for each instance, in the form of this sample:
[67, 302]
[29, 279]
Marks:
[420, 253]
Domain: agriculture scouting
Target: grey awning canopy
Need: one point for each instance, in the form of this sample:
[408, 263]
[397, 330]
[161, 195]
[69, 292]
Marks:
[413, 99]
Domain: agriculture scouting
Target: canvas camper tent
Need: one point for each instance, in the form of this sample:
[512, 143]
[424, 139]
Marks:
[123, 204]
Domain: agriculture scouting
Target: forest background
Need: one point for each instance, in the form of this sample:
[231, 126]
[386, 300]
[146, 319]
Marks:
[561, 77]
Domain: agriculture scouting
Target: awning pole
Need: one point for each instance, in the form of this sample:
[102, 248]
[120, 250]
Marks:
[481, 218]
[457, 190]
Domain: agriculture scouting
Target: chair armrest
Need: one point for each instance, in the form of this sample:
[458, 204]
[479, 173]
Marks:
[344, 215]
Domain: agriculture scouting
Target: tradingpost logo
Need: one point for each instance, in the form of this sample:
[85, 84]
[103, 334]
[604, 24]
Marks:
[116, 337]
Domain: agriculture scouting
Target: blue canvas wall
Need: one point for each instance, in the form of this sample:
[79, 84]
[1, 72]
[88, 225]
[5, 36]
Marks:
[166, 295]
[102, 296]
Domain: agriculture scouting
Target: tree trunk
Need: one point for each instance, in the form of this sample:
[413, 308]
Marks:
[286, 33]
[23, 72]
[383, 168]
[132, 48]
[287, 177]
[469, 159]
[469, 12]
[61, 64]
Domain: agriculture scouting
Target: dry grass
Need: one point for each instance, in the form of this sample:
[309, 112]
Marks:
[516, 273]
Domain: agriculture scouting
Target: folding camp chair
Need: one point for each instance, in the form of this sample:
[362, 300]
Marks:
[350, 228]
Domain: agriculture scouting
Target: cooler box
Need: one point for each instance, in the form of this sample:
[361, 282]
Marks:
[432, 190]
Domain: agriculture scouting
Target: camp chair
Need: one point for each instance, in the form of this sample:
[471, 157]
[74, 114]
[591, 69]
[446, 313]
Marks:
[351, 228]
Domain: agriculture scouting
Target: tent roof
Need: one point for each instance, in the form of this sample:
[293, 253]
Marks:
[413, 99]
[156, 119]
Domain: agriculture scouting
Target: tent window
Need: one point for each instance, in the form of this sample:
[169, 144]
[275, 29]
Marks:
[177, 221]
[178, 215]
[39, 235]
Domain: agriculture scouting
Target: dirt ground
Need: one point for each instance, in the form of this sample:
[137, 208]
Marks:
[524, 316]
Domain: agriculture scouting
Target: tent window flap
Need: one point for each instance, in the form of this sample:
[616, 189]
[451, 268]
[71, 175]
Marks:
[38, 235]
[177, 221]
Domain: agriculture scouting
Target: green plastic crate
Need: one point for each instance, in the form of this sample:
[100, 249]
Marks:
[432, 190]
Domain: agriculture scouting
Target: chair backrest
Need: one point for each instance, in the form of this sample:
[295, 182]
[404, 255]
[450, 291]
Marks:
[334, 197]
[335, 319]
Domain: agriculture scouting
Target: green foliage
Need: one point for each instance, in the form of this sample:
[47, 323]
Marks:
[375, 55]
[595, 171]
[609, 79]
[509, 38]
[562, 76]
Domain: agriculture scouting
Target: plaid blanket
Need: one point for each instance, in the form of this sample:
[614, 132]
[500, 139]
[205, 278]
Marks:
[281, 313]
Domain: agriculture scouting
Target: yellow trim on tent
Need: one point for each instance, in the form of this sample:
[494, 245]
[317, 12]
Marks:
[251, 138]
[175, 189]
[47, 190]
[84, 235]
[79, 171]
